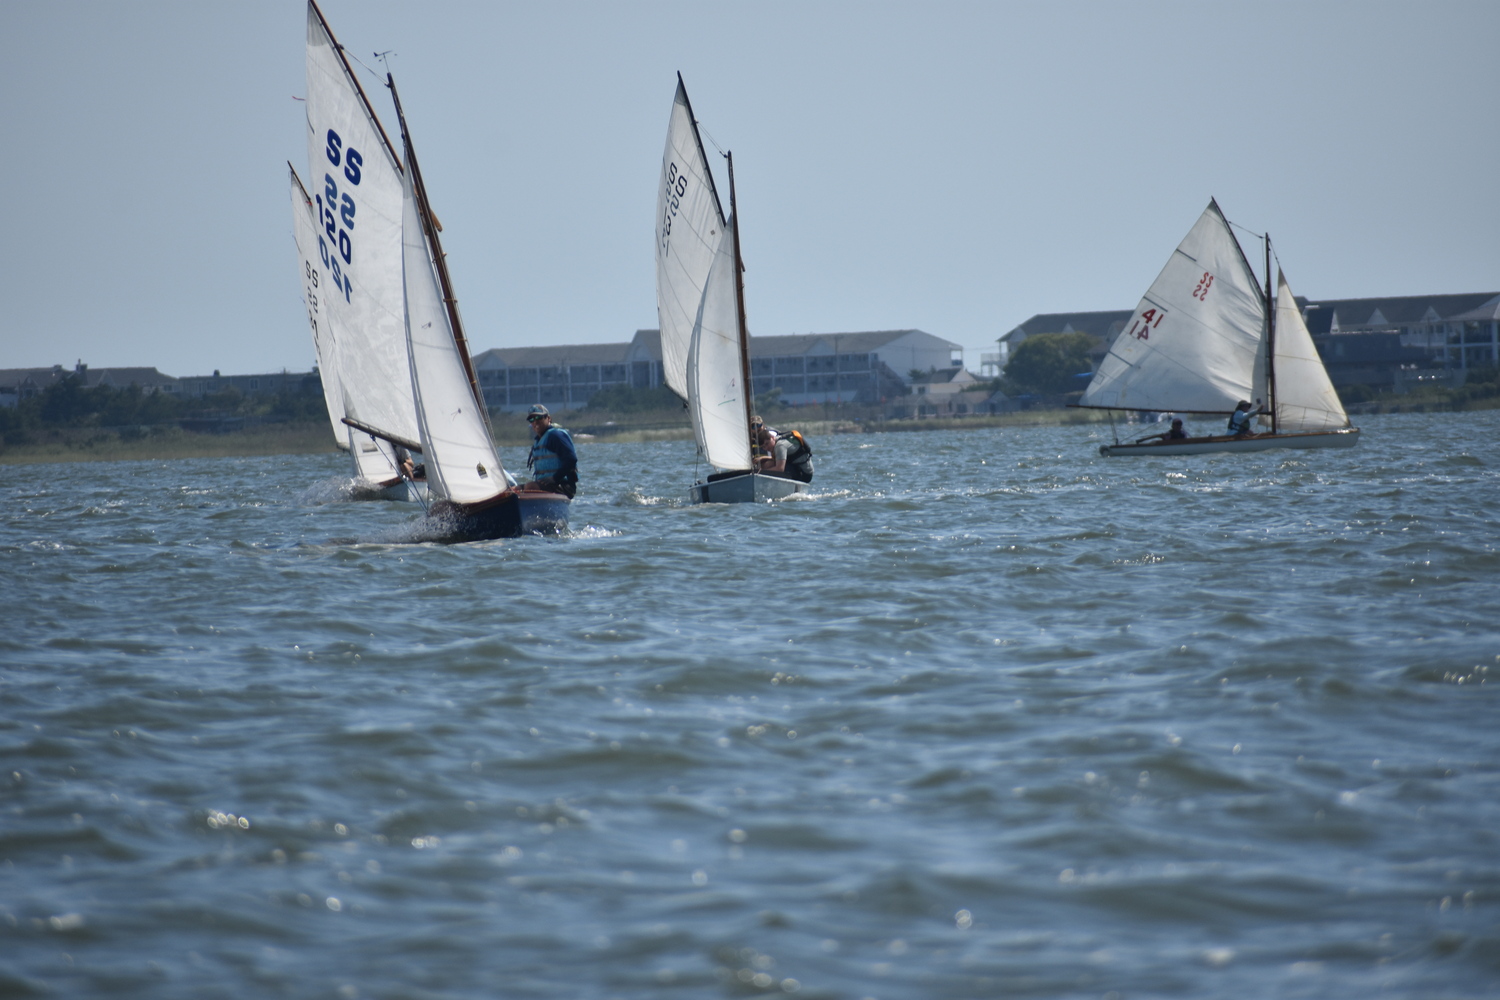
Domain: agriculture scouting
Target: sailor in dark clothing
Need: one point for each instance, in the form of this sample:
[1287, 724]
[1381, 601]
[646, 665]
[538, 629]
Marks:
[1177, 433]
[553, 459]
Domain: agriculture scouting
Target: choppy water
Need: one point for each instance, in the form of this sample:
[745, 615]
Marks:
[987, 716]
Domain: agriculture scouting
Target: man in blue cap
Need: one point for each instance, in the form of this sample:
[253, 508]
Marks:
[553, 459]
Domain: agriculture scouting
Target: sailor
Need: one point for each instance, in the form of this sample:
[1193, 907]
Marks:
[1241, 421]
[408, 468]
[553, 459]
[790, 458]
[1177, 433]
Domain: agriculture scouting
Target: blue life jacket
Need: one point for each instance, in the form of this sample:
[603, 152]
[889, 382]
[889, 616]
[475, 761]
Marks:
[1239, 421]
[548, 452]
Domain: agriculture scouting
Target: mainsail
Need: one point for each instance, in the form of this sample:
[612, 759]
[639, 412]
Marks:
[1196, 343]
[690, 227]
[374, 460]
[715, 382]
[305, 236]
[356, 190]
[1305, 397]
[462, 465]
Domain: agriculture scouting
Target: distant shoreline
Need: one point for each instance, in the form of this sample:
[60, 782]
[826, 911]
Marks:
[315, 438]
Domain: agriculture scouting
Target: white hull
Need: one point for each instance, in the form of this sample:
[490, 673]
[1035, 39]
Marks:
[401, 491]
[1346, 437]
[748, 487]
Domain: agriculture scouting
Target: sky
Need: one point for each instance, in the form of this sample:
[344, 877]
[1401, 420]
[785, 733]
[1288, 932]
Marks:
[953, 167]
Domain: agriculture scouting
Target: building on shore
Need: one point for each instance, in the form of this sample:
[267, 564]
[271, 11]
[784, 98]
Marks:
[943, 392]
[805, 368]
[17, 384]
[263, 384]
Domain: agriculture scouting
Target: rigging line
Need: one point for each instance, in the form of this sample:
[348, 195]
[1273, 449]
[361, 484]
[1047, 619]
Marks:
[367, 69]
[1246, 230]
[712, 141]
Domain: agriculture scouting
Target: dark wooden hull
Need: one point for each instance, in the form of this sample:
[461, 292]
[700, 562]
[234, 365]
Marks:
[510, 515]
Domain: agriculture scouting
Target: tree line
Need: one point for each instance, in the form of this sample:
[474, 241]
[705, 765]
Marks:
[69, 404]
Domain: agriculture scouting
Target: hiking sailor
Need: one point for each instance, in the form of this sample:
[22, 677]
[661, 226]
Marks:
[790, 458]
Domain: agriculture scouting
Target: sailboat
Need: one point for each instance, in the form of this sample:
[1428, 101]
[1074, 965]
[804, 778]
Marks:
[350, 257]
[700, 304]
[1207, 336]
[473, 497]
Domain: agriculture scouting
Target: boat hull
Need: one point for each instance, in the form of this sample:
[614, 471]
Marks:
[1346, 437]
[399, 490]
[510, 515]
[747, 487]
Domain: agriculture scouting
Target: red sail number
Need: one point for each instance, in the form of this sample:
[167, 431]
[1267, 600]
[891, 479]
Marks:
[1204, 284]
[1148, 321]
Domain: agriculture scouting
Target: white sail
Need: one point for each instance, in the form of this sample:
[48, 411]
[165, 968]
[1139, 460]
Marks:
[305, 237]
[356, 192]
[715, 383]
[1305, 398]
[372, 459]
[462, 465]
[689, 228]
[1196, 343]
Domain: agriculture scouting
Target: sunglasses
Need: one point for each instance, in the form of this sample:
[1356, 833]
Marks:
[532, 420]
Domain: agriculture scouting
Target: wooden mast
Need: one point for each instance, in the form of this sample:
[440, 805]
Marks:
[739, 300]
[1270, 340]
[439, 259]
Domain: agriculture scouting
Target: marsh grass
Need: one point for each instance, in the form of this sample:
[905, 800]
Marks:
[142, 443]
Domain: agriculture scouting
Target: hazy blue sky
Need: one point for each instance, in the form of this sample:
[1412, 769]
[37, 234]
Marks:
[950, 166]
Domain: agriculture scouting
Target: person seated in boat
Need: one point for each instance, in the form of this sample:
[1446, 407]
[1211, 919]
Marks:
[553, 459]
[761, 439]
[1242, 420]
[1176, 433]
[790, 457]
[409, 470]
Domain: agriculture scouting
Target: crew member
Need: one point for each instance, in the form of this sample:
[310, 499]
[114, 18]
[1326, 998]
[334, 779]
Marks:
[1242, 420]
[791, 457]
[553, 459]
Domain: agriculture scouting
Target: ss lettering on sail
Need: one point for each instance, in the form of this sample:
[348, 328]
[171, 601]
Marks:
[1204, 284]
[336, 211]
[676, 189]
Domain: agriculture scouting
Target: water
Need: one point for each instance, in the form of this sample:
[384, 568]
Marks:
[986, 716]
